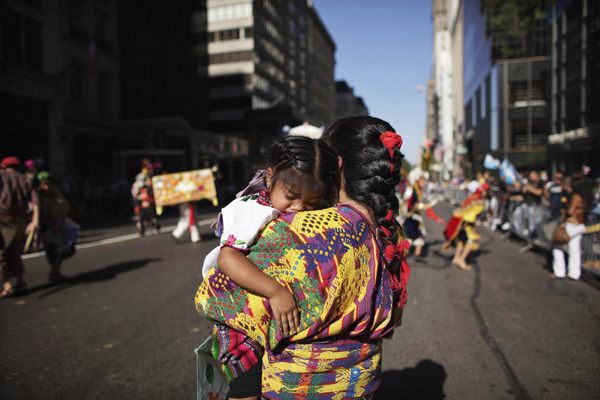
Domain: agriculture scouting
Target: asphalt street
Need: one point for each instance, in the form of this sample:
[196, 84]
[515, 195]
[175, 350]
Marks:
[125, 327]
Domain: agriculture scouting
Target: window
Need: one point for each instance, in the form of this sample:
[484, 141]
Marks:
[474, 112]
[230, 57]
[258, 103]
[222, 36]
[228, 12]
[273, 50]
[302, 38]
[261, 83]
[272, 30]
[483, 101]
[302, 58]
[270, 8]
[249, 32]
[21, 39]
[302, 21]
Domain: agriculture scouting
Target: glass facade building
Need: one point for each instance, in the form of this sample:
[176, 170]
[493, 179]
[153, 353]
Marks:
[506, 101]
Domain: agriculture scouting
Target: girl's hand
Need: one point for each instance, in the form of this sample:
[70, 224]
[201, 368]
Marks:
[285, 310]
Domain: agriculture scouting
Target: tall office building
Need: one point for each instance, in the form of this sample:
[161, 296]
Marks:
[269, 63]
[455, 27]
[575, 125]
[506, 85]
[442, 75]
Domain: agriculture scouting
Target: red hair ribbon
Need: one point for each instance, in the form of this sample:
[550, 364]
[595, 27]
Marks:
[390, 215]
[392, 251]
[391, 140]
[385, 230]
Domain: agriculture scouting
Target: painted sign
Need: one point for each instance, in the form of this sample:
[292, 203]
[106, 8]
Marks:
[184, 187]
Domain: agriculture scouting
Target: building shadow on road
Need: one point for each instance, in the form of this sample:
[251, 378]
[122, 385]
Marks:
[98, 275]
[423, 382]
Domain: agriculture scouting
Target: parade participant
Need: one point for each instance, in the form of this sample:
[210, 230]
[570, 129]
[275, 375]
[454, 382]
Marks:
[146, 211]
[346, 267]
[300, 174]
[58, 230]
[460, 231]
[187, 221]
[413, 222]
[16, 193]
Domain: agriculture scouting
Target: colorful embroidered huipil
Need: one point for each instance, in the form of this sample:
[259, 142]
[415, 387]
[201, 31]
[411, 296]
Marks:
[331, 260]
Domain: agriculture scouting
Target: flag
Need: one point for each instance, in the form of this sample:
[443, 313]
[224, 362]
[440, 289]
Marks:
[490, 162]
[509, 172]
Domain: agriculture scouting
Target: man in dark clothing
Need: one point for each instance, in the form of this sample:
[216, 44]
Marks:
[16, 193]
[556, 194]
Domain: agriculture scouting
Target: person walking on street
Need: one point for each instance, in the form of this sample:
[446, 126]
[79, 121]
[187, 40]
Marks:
[59, 232]
[16, 193]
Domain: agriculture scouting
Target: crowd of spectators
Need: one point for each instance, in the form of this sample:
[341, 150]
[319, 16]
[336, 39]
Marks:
[534, 204]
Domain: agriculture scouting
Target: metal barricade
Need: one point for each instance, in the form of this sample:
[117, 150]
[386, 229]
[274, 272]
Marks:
[590, 245]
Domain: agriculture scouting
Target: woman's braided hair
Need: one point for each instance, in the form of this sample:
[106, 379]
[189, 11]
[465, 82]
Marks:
[371, 171]
[303, 162]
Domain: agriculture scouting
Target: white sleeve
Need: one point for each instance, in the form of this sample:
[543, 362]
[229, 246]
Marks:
[210, 261]
[243, 220]
[574, 229]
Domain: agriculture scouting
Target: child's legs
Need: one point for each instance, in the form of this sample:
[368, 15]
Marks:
[247, 386]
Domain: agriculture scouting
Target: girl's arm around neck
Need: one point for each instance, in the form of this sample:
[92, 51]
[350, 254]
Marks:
[242, 271]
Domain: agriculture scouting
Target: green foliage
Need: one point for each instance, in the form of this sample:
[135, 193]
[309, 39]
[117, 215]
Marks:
[510, 21]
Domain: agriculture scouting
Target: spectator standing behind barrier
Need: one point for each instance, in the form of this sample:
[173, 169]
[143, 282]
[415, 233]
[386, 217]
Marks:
[531, 208]
[16, 192]
[575, 227]
[556, 195]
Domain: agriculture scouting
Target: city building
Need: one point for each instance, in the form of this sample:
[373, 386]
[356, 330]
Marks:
[59, 84]
[575, 125]
[442, 75]
[165, 92]
[455, 26]
[269, 64]
[346, 102]
[506, 84]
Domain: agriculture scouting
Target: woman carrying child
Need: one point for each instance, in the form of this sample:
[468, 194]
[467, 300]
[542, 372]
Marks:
[344, 265]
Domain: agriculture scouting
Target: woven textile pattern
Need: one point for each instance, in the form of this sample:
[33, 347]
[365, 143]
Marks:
[331, 261]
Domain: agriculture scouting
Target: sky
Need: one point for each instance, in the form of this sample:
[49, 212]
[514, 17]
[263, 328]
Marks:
[384, 51]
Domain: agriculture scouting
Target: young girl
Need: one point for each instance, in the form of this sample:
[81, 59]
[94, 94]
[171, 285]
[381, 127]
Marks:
[300, 174]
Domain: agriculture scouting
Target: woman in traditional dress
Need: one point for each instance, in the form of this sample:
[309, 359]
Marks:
[346, 267]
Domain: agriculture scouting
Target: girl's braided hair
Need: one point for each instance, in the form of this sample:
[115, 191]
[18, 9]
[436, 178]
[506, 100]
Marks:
[371, 171]
[303, 162]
